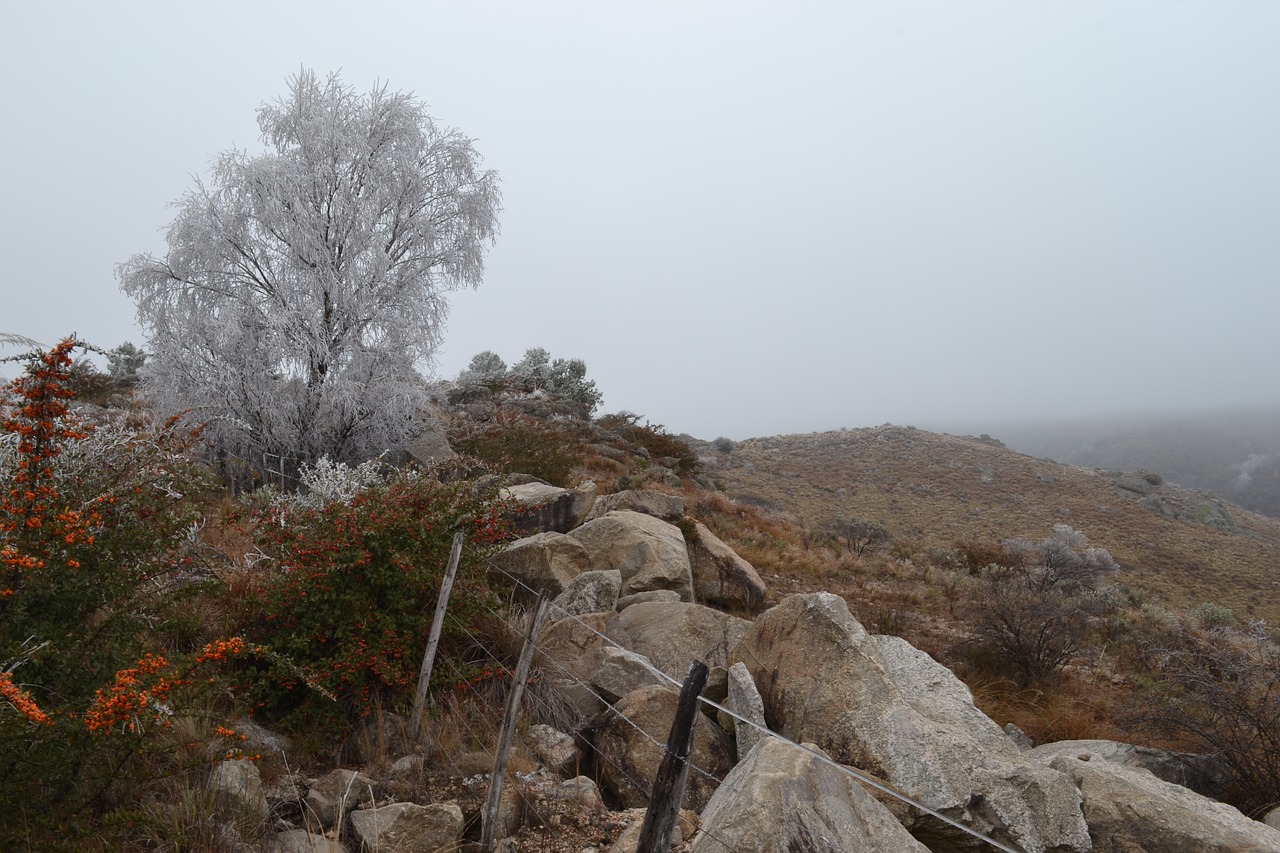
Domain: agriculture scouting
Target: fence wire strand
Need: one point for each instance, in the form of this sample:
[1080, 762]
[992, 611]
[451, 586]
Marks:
[858, 775]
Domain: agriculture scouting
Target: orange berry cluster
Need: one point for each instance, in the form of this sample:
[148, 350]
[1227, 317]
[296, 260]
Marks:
[140, 694]
[21, 700]
[29, 508]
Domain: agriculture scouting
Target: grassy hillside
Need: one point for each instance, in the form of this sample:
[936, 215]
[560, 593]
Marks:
[934, 491]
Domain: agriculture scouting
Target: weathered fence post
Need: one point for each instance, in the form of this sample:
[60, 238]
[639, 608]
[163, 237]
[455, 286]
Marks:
[490, 819]
[433, 639]
[668, 788]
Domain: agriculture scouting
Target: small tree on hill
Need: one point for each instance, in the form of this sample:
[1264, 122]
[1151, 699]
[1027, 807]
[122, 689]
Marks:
[857, 535]
[125, 361]
[564, 380]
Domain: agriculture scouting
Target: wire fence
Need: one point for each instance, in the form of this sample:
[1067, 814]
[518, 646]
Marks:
[853, 773]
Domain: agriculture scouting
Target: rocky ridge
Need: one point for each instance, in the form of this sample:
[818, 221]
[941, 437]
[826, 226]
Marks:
[806, 669]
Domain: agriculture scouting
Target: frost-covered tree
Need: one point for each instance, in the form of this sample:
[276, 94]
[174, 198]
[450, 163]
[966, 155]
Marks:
[567, 380]
[563, 379]
[125, 360]
[485, 368]
[304, 287]
[530, 372]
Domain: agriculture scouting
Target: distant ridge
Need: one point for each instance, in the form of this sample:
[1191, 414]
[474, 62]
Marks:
[1232, 452]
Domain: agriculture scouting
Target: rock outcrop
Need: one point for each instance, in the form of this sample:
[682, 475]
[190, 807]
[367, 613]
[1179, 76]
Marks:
[333, 796]
[542, 507]
[674, 634]
[720, 577]
[590, 592]
[649, 553]
[1131, 811]
[631, 742]
[236, 785]
[545, 562]
[885, 707]
[744, 700]
[780, 799]
[647, 501]
[408, 827]
[1203, 774]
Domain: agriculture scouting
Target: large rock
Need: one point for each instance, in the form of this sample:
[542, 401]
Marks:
[408, 828]
[648, 501]
[631, 743]
[720, 577]
[431, 445]
[1203, 774]
[545, 562]
[568, 656]
[780, 799]
[664, 595]
[590, 592]
[620, 671]
[261, 740]
[674, 634]
[881, 705]
[557, 751]
[332, 796]
[649, 552]
[236, 785]
[1131, 811]
[540, 507]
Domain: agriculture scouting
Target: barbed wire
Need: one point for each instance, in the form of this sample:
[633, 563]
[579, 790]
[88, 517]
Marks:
[641, 785]
[859, 775]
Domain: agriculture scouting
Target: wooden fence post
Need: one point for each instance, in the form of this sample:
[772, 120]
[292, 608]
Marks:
[668, 788]
[433, 639]
[490, 819]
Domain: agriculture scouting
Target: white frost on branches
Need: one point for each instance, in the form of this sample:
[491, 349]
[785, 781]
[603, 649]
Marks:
[304, 288]
[328, 482]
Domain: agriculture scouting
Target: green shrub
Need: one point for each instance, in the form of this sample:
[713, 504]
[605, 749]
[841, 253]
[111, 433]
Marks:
[858, 534]
[1212, 615]
[513, 442]
[90, 561]
[350, 598]
[655, 439]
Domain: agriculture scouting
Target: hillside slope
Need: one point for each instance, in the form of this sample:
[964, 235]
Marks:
[933, 491]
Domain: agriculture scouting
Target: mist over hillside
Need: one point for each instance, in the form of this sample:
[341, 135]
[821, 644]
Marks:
[1232, 452]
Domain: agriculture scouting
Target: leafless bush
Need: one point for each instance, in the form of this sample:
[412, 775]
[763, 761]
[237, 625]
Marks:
[1039, 601]
[1219, 694]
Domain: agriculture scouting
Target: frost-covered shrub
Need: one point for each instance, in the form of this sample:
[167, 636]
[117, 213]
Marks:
[328, 482]
[1040, 601]
[1063, 561]
[1211, 615]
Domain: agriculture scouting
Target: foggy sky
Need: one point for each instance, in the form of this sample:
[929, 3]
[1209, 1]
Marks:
[747, 219]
